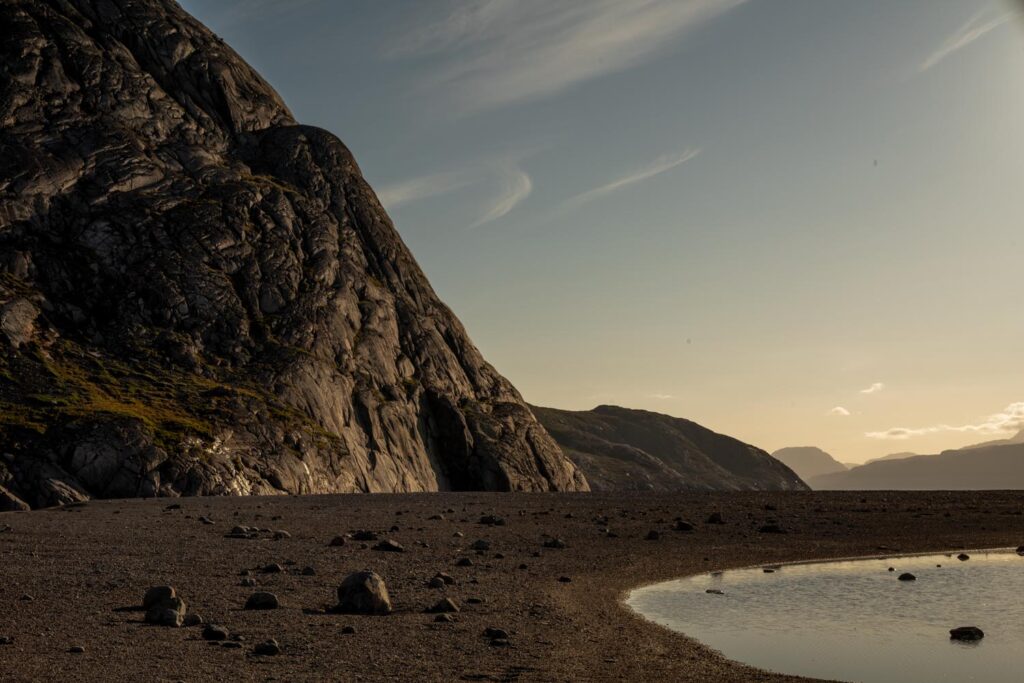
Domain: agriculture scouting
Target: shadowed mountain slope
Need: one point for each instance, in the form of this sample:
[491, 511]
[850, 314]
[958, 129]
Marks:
[808, 461]
[199, 295]
[972, 468]
[623, 449]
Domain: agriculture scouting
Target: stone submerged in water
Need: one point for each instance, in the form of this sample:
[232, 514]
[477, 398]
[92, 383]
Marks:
[966, 633]
[363, 593]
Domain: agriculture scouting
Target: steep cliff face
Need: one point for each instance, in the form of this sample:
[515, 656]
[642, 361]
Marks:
[200, 296]
[620, 449]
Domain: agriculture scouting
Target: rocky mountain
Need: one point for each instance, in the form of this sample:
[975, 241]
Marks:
[619, 449]
[972, 468]
[808, 461]
[199, 295]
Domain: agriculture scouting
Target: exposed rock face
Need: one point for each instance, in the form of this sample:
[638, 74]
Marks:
[620, 449]
[200, 296]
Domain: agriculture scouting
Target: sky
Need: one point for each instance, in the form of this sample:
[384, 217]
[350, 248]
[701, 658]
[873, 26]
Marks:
[797, 222]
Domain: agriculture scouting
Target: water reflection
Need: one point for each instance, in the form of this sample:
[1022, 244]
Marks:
[854, 620]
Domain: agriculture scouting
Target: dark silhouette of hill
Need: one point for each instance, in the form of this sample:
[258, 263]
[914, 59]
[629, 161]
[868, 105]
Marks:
[624, 449]
[808, 461]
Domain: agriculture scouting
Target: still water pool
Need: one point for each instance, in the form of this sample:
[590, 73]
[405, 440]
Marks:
[854, 621]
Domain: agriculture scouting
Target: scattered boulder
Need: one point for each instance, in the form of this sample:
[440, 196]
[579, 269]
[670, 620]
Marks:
[464, 562]
[6, 640]
[1020, 550]
[907, 576]
[445, 605]
[268, 648]
[337, 541]
[770, 528]
[966, 633]
[683, 525]
[157, 594]
[192, 619]
[715, 518]
[348, 630]
[215, 633]
[564, 579]
[481, 545]
[556, 543]
[389, 546]
[364, 535]
[363, 593]
[492, 520]
[272, 569]
[262, 600]
[76, 649]
[714, 591]
[444, 618]
[652, 535]
[493, 633]
[436, 582]
[167, 612]
[963, 557]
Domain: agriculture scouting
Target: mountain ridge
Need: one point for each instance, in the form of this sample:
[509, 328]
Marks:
[198, 295]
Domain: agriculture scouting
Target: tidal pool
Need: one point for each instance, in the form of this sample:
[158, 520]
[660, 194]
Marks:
[853, 620]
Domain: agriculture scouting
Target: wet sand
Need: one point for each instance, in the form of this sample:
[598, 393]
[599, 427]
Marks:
[65, 572]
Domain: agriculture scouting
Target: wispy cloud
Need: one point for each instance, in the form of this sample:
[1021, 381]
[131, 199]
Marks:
[874, 388]
[497, 52]
[505, 173]
[662, 397]
[663, 163]
[839, 411]
[1008, 421]
[516, 186]
[976, 27]
[394, 195]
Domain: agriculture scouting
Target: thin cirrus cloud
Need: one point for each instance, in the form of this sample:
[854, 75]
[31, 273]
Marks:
[663, 163]
[839, 411]
[1008, 421]
[512, 182]
[974, 28]
[873, 389]
[491, 53]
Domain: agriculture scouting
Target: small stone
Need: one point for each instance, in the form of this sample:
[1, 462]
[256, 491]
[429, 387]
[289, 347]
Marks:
[907, 576]
[474, 601]
[1020, 550]
[481, 545]
[714, 591]
[348, 630]
[495, 633]
[458, 534]
[564, 579]
[76, 649]
[248, 582]
[205, 520]
[966, 633]
[444, 618]
[267, 648]
[555, 543]
[281, 535]
[682, 525]
[262, 600]
[214, 632]
[464, 562]
[770, 528]
[231, 645]
[389, 546]
[337, 541]
[363, 535]
[308, 571]
[436, 582]
[6, 640]
[715, 518]
[963, 557]
[192, 620]
[445, 605]
[652, 535]
[272, 569]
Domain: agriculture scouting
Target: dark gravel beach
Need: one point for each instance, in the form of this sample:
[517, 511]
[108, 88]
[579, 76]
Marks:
[69, 573]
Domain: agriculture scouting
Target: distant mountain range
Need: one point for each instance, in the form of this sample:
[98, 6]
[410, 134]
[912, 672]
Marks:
[620, 449]
[808, 461]
[995, 464]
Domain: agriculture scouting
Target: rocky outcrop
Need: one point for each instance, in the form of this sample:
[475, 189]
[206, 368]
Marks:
[199, 295]
[620, 449]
